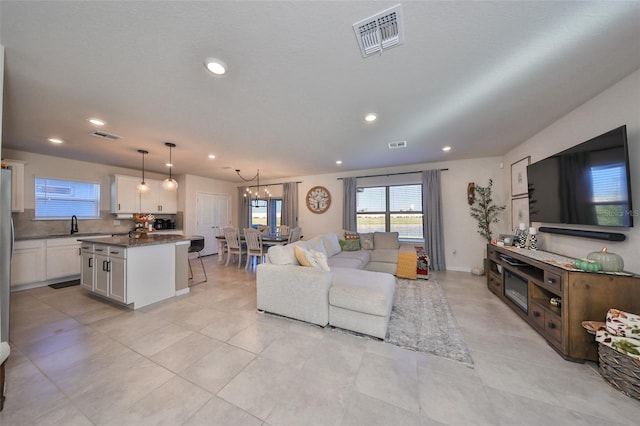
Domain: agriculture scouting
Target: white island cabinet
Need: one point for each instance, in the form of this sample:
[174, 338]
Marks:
[135, 272]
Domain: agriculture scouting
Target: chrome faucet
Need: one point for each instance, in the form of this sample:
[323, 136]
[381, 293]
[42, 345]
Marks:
[74, 224]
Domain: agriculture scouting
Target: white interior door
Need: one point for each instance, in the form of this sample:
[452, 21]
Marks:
[213, 214]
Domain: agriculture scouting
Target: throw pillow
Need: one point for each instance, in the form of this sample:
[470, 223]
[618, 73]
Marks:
[331, 244]
[349, 235]
[321, 258]
[305, 258]
[350, 245]
[366, 241]
[316, 244]
[386, 240]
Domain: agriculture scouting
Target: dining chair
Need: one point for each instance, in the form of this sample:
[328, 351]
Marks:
[294, 235]
[283, 230]
[264, 229]
[223, 249]
[234, 245]
[253, 238]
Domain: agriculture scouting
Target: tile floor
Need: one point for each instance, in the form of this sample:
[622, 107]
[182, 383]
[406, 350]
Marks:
[208, 358]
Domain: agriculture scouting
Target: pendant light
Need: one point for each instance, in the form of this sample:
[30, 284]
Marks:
[170, 184]
[143, 186]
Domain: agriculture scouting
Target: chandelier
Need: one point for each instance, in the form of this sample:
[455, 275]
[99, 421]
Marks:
[254, 196]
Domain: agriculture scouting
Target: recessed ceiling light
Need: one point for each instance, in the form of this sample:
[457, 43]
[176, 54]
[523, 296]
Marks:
[215, 66]
[55, 140]
[370, 117]
[446, 148]
[96, 121]
[338, 162]
[211, 156]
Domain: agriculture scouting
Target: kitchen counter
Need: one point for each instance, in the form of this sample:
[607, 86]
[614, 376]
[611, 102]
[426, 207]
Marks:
[136, 271]
[148, 240]
[80, 235]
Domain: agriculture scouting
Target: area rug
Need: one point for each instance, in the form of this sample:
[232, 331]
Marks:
[422, 320]
[65, 284]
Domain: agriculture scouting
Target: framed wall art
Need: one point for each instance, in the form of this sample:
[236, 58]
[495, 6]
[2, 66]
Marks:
[519, 212]
[519, 177]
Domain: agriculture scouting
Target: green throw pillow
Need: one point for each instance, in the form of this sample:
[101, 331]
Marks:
[350, 245]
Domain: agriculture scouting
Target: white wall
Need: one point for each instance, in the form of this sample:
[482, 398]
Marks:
[460, 230]
[618, 105]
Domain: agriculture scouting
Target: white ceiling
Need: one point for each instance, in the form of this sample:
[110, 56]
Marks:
[479, 76]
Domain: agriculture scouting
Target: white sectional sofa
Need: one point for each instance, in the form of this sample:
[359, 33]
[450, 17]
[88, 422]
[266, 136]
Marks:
[347, 289]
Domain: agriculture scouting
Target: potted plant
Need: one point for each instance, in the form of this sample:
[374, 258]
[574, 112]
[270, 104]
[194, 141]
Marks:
[484, 210]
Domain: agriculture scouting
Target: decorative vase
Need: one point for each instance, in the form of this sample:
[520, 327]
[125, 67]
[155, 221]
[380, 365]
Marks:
[522, 236]
[533, 239]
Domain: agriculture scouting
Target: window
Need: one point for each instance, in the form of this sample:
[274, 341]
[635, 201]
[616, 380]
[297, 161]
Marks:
[609, 186]
[268, 212]
[61, 199]
[391, 209]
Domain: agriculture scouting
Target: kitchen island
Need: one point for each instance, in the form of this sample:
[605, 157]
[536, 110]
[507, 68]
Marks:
[136, 271]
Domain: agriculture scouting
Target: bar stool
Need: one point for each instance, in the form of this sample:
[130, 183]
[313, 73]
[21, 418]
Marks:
[197, 245]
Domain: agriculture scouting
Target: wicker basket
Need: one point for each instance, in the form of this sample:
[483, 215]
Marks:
[620, 370]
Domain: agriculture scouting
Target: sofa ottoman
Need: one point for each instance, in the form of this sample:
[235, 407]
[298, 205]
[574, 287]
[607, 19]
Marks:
[361, 301]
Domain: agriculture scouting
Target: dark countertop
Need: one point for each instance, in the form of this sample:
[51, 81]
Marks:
[80, 235]
[125, 241]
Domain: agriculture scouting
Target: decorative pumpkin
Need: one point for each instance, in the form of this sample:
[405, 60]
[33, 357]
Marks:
[610, 262]
[587, 265]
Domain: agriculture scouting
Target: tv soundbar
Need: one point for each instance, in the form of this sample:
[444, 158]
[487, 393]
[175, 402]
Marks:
[598, 235]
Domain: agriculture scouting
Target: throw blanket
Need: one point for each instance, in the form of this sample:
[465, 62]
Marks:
[423, 263]
[407, 262]
[621, 332]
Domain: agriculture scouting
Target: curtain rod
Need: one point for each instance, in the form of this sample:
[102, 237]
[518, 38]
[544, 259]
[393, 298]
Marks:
[268, 184]
[389, 174]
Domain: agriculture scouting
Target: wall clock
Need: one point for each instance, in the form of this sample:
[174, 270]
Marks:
[318, 199]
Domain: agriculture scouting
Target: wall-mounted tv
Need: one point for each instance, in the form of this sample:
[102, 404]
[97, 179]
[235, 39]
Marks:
[588, 184]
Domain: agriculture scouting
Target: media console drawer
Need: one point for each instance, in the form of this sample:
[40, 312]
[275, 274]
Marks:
[553, 281]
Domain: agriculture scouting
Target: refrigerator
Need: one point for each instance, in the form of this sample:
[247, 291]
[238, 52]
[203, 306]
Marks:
[6, 251]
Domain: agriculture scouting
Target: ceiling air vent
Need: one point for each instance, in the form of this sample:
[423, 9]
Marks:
[397, 145]
[104, 135]
[379, 32]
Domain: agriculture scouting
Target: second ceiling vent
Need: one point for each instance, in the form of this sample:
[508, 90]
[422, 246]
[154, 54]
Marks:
[380, 32]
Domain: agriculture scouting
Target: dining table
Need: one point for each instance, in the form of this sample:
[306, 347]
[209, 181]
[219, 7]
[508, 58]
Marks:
[268, 240]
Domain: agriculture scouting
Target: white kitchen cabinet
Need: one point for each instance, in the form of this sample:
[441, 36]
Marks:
[125, 197]
[118, 274]
[87, 275]
[62, 258]
[124, 194]
[110, 278]
[158, 200]
[168, 201]
[17, 184]
[28, 264]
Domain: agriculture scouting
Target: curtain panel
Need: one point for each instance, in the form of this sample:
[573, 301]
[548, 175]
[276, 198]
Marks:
[243, 208]
[290, 204]
[349, 211]
[433, 227]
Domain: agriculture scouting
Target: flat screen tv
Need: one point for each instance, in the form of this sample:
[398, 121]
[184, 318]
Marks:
[588, 184]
